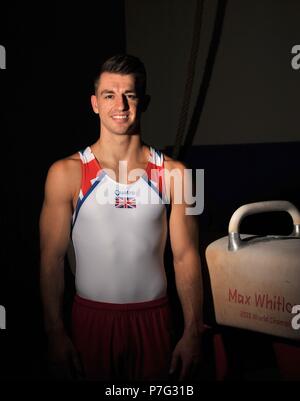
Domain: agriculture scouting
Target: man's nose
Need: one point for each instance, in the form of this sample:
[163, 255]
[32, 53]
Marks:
[122, 103]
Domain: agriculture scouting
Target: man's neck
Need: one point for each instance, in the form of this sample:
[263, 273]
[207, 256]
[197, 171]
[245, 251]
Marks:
[119, 147]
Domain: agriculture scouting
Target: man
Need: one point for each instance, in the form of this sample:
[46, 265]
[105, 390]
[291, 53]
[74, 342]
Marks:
[121, 325]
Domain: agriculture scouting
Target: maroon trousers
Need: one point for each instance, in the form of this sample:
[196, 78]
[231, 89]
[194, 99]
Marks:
[123, 341]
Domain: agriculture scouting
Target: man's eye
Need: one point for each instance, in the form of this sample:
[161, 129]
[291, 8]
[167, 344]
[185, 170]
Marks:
[108, 96]
[131, 96]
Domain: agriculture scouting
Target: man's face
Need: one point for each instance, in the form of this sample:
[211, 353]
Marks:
[117, 103]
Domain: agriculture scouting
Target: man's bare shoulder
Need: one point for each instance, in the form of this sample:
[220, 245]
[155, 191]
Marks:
[64, 176]
[69, 166]
[172, 164]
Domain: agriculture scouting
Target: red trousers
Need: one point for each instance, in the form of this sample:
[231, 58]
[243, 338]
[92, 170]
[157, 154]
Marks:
[123, 341]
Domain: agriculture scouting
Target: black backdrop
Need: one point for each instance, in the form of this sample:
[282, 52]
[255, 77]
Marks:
[52, 54]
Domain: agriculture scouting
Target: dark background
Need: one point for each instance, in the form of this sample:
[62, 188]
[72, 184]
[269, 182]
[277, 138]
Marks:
[53, 52]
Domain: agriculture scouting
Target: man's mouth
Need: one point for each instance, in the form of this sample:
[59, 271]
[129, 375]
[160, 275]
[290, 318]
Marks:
[120, 117]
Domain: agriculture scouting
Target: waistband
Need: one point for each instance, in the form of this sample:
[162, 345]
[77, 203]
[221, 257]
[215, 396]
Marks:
[155, 303]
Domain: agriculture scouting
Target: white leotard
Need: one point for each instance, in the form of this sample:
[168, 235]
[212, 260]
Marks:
[119, 235]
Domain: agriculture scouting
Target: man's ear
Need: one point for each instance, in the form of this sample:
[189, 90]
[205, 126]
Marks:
[94, 104]
[145, 101]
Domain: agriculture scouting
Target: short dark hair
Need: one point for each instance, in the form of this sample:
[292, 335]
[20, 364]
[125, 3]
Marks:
[125, 64]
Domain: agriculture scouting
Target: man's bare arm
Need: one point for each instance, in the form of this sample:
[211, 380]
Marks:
[187, 266]
[55, 223]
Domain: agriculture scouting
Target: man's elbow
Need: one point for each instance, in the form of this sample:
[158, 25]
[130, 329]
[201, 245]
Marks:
[187, 258]
[51, 262]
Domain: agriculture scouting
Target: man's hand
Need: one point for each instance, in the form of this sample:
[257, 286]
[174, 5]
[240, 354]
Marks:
[187, 357]
[63, 359]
